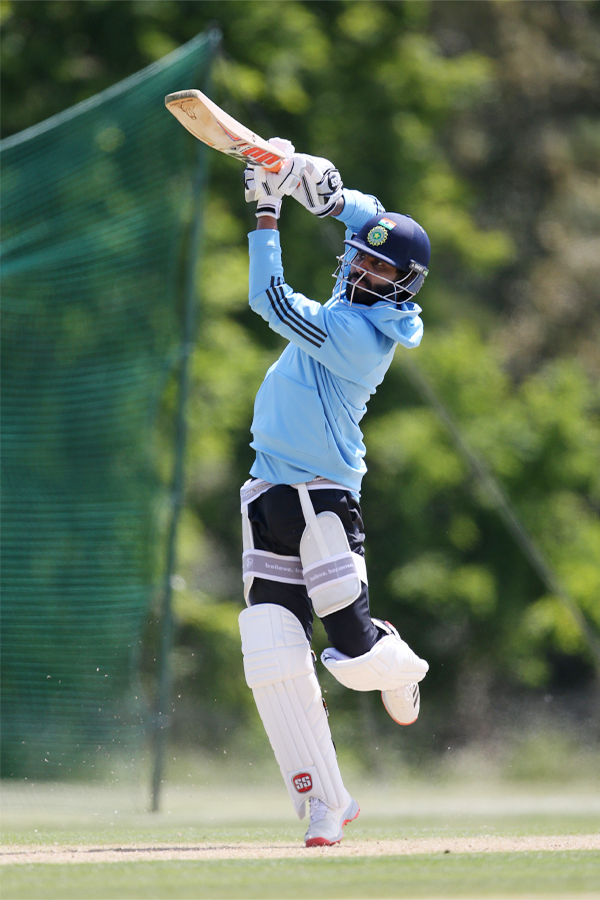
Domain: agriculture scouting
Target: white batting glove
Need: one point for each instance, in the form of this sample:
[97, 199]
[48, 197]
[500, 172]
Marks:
[257, 190]
[320, 186]
[266, 188]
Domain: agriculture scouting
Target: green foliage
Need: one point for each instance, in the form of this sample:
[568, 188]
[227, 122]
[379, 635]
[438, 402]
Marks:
[481, 121]
[212, 697]
[541, 439]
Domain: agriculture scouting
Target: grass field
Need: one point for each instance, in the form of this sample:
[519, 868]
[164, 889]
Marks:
[564, 875]
[437, 833]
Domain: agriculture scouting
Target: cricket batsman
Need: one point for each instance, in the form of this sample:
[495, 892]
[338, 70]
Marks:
[303, 532]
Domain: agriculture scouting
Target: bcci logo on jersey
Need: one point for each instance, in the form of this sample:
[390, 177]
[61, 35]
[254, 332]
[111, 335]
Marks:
[302, 782]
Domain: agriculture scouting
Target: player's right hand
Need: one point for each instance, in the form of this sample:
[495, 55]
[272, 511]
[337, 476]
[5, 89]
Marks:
[258, 190]
[267, 188]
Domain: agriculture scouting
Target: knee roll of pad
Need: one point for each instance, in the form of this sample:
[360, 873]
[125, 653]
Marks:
[274, 646]
[389, 665]
[279, 668]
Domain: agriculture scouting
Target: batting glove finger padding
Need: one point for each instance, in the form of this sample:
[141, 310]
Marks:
[257, 189]
[320, 186]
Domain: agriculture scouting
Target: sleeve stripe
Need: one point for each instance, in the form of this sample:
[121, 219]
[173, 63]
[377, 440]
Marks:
[314, 330]
[277, 298]
[299, 326]
[303, 323]
[282, 316]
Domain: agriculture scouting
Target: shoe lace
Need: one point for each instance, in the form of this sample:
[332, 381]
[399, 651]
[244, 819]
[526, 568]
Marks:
[318, 809]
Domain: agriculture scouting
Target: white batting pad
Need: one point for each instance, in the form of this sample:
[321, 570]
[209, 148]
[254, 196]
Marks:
[389, 665]
[278, 665]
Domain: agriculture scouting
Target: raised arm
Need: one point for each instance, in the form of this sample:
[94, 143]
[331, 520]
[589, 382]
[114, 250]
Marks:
[339, 341]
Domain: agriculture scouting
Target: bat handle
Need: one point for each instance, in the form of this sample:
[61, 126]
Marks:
[275, 167]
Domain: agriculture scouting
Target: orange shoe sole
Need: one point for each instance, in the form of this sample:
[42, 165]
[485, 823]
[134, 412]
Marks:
[323, 842]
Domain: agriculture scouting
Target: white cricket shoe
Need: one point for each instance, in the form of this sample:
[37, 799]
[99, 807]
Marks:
[327, 824]
[403, 704]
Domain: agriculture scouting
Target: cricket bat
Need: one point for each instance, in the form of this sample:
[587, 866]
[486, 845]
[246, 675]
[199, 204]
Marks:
[211, 125]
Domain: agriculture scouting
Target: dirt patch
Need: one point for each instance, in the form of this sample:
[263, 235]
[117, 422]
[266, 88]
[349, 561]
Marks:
[96, 854]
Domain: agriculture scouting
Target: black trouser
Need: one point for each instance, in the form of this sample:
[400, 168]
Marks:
[277, 525]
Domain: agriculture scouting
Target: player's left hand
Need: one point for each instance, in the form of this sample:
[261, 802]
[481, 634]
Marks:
[320, 186]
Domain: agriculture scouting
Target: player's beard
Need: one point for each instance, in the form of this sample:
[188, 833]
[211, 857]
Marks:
[365, 298]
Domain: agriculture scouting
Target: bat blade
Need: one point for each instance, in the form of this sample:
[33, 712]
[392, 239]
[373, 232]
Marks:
[211, 125]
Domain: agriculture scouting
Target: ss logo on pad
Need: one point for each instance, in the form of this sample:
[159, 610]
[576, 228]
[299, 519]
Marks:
[302, 782]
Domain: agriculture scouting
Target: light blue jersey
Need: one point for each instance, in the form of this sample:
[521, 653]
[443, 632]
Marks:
[309, 406]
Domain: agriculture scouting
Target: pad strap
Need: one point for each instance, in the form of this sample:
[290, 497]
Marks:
[333, 570]
[272, 566]
[310, 518]
[254, 487]
[248, 545]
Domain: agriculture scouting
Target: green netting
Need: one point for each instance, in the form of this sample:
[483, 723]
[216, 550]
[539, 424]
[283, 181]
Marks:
[96, 206]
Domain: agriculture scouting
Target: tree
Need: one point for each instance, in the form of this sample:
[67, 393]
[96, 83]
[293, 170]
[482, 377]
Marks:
[439, 109]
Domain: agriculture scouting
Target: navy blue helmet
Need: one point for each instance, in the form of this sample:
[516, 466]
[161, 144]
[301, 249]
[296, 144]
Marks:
[400, 241]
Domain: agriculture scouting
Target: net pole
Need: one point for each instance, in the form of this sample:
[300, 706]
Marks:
[162, 720]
